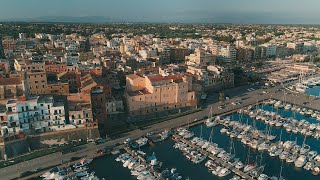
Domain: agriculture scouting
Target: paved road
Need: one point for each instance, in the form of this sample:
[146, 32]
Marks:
[242, 93]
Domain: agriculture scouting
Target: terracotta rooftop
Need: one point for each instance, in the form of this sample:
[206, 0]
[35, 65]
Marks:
[10, 81]
[158, 77]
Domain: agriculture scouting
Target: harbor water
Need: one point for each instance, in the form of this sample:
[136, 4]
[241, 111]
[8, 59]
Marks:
[106, 167]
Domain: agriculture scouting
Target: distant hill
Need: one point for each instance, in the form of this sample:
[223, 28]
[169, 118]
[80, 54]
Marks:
[65, 19]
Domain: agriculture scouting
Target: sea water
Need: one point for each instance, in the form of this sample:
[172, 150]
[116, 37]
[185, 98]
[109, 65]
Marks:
[108, 168]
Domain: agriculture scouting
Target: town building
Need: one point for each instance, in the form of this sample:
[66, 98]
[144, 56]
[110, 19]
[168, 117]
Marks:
[11, 88]
[201, 57]
[148, 94]
[32, 115]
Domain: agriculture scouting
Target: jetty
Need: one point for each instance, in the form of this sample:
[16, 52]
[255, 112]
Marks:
[238, 172]
[142, 161]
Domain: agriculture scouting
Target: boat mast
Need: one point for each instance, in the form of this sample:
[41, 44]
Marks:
[248, 157]
[280, 136]
[231, 143]
[304, 140]
[260, 159]
[280, 175]
[210, 137]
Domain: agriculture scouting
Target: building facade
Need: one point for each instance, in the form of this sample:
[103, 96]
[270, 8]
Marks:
[158, 92]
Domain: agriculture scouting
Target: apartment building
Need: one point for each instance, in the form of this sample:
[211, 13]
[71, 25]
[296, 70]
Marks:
[56, 67]
[72, 78]
[80, 111]
[227, 53]
[32, 115]
[114, 105]
[59, 88]
[11, 88]
[8, 44]
[269, 50]
[99, 90]
[27, 65]
[71, 58]
[245, 54]
[212, 77]
[201, 57]
[147, 94]
[36, 82]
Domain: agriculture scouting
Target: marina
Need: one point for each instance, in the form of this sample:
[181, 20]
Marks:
[254, 142]
[279, 165]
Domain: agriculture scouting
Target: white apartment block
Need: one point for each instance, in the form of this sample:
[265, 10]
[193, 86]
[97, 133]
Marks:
[270, 50]
[35, 115]
[228, 53]
[71, 58]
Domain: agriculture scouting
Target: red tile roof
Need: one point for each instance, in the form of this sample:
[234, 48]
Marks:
[158, 77]
[10, 81]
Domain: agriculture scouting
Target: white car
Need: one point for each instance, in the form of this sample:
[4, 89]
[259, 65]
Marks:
[127, 141]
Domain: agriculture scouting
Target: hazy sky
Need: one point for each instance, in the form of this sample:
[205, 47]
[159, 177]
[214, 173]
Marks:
[235, 11]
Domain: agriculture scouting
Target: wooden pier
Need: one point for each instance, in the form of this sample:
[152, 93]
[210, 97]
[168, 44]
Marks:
[134, 154]
[216, 159]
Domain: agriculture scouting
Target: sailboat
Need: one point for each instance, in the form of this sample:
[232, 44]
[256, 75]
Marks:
[259, 170]
[249, 165]
[209, 122]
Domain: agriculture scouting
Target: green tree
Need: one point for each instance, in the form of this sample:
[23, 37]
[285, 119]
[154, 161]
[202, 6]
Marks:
[87, 45]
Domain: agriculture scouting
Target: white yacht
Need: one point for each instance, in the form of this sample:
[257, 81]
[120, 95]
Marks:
[300, 161]
[224, 172]
[249, 167]
[304, 149]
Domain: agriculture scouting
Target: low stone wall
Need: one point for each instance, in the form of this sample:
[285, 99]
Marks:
[34, 142]
[160, 114]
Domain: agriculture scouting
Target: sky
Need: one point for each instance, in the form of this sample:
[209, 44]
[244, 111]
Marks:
[211, 11]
